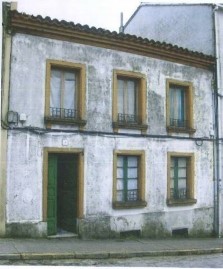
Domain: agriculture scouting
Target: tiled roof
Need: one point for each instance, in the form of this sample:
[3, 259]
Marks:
[24, 22]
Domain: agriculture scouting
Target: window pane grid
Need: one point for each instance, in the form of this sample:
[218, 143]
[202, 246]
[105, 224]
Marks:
[127, 101]
[63, 94]
[127, 186]
[178, 188]
[178, 106]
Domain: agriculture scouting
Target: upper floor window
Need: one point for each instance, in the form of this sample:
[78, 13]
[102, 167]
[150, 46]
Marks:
[65, 93]
[179, 106]
[129, 100]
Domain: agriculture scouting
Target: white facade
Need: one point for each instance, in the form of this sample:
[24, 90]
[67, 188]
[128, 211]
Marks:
[98, 141]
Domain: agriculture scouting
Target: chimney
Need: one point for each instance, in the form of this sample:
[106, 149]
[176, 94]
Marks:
[121, 28]
[13, 6]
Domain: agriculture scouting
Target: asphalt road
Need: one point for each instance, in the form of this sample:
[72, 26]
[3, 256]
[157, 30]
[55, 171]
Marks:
[198, 261]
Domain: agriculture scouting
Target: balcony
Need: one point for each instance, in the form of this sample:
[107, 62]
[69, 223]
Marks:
[179, 125]
[64, 116]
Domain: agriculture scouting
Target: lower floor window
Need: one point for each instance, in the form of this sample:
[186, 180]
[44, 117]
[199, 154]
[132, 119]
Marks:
[180, 178]
[178, 188]
[129, 179]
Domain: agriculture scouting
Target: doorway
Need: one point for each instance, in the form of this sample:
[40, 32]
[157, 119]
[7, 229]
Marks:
[62, 193]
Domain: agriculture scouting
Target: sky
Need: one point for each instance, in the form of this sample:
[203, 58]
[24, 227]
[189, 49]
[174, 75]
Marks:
[98, 13]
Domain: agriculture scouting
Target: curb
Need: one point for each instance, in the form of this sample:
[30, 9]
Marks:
[107, 255]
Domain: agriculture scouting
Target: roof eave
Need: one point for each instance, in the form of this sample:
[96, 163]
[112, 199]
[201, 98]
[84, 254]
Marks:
[121, 42]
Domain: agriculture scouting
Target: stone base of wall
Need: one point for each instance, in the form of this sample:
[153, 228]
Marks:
[96, 228]
[27, 229]
[193, 223]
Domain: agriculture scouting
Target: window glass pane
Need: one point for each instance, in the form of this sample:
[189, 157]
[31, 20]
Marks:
[132, 184]
[120, 184]
[182, 172]
[132, 172]
[171, 173]
[131, 102]
[120, 196]
[121, 96]
[182, 184]
[132, 161]
[120, 161]
[182, 162]
[69, 90]
[119, 172]
[55, 88]
[172, 105]
[177, 105]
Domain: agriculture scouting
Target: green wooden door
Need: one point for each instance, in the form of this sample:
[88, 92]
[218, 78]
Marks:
[67, 192]
[52, 195]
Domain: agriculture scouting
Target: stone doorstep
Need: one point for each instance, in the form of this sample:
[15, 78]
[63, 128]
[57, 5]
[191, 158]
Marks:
[107, 255]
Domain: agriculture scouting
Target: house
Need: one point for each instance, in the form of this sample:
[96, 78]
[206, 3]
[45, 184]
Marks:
[104, 133]
[197, 27]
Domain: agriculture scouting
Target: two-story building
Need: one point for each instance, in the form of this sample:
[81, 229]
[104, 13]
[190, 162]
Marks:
[104, 133]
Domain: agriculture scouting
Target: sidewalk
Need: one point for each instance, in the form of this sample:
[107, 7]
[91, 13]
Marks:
[73, 248]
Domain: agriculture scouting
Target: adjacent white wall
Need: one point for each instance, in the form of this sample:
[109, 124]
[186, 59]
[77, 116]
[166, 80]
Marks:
[184, 25]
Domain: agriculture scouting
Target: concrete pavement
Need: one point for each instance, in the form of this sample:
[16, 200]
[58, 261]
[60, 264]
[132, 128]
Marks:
[74, 248]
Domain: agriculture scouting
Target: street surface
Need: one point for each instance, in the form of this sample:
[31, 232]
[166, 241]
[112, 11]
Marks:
[192, 261]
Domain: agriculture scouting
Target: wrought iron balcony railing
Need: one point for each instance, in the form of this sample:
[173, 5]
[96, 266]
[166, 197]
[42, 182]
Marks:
[179, 194]
[128, 119]
[132, 195]
[63, 113]
[179, 123]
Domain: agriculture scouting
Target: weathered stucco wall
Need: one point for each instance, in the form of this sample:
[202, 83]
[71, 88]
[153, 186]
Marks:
[25, 151]
[172, 23]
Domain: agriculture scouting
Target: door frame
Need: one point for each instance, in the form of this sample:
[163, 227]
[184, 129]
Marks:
[80, 178]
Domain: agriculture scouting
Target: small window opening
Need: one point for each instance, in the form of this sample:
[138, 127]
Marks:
[130, 234]
[180, 232]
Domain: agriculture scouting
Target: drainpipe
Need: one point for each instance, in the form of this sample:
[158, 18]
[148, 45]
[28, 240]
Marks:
[218, 128]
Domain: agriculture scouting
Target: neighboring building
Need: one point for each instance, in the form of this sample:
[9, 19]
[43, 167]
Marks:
[197, 27]
[106, 133]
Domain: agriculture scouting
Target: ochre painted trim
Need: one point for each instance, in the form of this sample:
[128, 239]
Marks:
[190, 179]
[126, 43]
[141, 96]
[141, 178]
[80, 153]
[189, 105]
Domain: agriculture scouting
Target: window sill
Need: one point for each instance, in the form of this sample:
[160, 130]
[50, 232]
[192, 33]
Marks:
[172, 202]
[172, 129]
[126, 125]
[79, 122]
[126, 205]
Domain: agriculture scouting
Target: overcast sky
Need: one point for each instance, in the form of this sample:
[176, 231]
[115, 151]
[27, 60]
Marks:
[98, 13]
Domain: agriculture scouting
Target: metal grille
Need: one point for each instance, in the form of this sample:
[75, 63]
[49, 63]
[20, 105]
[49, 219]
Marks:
[178, 194]
[132, 195]
[63, 113]
[178, 123]
[127, 118]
